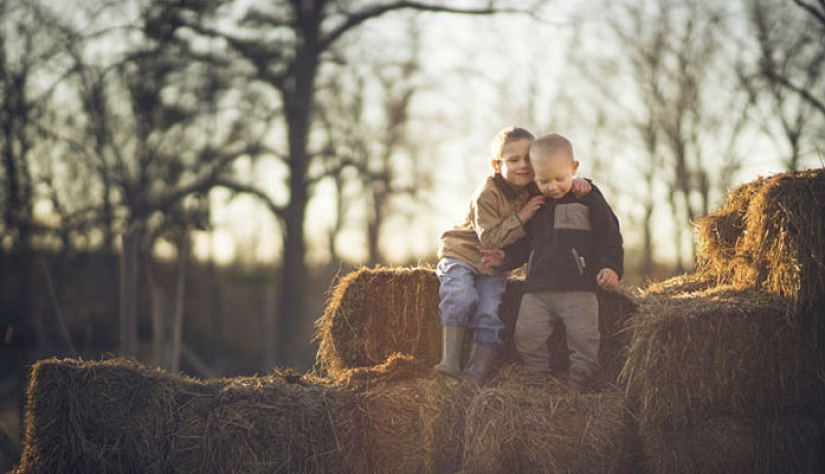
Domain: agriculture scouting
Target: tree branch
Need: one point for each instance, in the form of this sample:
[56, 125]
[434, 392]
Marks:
[802, 92]
[810, 8]
[355, 19]
[241, 188]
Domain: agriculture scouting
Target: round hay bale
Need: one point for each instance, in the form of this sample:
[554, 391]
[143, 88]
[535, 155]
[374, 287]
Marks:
[112, 416]
[770, 234]
[374, 313]
[279, 423]
[719, 352]
[720, 234]
[785, 235]
[412, 426]
[731, 445]
[526, 422]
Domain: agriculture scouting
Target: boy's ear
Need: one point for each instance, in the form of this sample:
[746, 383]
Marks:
[496, 164]
[575, 166]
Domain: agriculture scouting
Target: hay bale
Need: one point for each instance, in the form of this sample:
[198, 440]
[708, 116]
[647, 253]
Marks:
[117, 416]
[681, 285]
[412, 426]
[279, 423]
[730, 445]
[720, 352]
[374, 313]
[110, 416]
[522, 422]
[770, 234]
[720, 234]
[396, 368]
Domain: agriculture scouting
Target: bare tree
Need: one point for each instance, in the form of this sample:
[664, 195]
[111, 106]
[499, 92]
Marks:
[144, 134]
[377, 150]
[783, 84]
[285, 43]
[810, 34]
[676, 51]
[29, 55]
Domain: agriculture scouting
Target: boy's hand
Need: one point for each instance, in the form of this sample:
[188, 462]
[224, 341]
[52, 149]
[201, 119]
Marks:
[581, 187]
[529, 210]
[607, 278]
[490, 259]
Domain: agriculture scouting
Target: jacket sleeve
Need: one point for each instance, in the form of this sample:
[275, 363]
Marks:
[515, 255]
[494, 230]
[609, 244]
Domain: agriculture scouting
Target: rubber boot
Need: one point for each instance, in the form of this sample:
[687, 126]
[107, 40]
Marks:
[481, 361]
[452, 341]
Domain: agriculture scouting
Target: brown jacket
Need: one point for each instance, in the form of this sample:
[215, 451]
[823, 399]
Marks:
[491, 221]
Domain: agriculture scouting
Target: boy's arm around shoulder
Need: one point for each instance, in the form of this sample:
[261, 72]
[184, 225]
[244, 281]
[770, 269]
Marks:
[609, 243]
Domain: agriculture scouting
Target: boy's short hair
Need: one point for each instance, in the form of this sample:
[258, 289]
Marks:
[507, 135]
[549, 145]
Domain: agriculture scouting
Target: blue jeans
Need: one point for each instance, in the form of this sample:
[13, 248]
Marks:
[469, 298]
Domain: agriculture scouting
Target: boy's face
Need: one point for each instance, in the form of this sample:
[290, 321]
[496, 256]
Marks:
[554, 175]
[514, 164]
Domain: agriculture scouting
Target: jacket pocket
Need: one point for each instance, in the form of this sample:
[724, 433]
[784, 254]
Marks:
[572, 216]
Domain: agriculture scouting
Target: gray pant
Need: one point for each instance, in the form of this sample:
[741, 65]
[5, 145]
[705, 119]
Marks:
[538, 316]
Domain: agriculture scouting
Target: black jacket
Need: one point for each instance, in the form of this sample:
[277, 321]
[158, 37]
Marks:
[568, 242]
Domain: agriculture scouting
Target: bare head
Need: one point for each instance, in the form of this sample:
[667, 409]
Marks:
[554, 164]
[510, 155]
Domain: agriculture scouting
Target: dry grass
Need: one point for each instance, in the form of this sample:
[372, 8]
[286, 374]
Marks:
[117, 416]
[720, 235]
[771, 235]
[374, 313]
[413, 426]
[720, 352]
[527, 423]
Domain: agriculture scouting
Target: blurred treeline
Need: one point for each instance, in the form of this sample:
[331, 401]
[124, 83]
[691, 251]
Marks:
[128, 118]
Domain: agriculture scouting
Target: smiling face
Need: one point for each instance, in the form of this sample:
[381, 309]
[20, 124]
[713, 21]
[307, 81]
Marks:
[514, 163]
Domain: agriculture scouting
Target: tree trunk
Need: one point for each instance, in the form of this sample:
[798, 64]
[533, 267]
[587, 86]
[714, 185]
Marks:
[298, 96]
[293, 282]
[129, 294]
[177, 328]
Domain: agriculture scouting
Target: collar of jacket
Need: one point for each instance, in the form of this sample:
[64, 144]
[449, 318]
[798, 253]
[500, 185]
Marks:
[512, 192]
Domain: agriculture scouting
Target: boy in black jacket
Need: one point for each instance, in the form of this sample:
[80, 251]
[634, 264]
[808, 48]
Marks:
[573, 246]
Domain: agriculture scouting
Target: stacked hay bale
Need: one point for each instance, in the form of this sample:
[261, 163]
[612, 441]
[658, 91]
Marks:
[726, 367]
[524, 422]
[116, 416]
[277, 424]
[97, 418]
[374, 313]
[409, 419]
